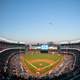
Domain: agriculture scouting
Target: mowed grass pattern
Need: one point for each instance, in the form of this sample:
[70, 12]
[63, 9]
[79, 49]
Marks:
[53, 57]
[30, 57]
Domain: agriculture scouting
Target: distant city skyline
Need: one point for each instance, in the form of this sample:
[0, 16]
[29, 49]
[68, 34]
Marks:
[40, 20]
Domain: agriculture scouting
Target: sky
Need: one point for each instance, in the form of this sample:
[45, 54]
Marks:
[40, 20]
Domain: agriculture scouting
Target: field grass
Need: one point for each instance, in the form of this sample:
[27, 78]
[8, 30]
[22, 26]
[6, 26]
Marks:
[39, 64]
[43, 56]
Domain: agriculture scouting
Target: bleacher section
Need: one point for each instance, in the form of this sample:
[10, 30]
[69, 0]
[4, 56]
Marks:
[9, 49]
[75, 74]
[71, 45]
[4, 44]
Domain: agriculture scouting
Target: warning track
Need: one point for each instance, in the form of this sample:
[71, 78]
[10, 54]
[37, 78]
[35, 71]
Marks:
[39, 67]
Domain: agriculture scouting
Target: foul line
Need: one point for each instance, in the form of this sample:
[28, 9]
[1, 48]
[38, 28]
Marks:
[47, 66]
[36, 67]
[31, 64]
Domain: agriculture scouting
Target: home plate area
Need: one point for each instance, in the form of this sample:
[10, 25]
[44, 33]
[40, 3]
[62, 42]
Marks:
[40, 65]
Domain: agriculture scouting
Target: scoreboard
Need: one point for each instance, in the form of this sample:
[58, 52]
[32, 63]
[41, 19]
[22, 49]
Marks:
[44, 48]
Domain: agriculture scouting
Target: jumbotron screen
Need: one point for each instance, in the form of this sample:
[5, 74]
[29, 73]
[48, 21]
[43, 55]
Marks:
[39, 39]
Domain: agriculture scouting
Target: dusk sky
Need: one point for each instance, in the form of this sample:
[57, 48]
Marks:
[40, 20]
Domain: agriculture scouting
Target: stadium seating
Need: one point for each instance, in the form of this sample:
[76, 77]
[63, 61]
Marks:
[71, 75]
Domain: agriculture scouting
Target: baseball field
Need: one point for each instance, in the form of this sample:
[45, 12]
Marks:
[41, 64]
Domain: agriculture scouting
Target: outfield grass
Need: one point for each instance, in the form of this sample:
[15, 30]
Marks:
[41, 66]
[43, 56]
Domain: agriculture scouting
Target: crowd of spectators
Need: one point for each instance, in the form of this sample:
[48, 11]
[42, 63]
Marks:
[6, 76]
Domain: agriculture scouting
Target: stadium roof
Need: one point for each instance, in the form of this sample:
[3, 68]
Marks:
[71, 41]
[10, 41]
[19, 42]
